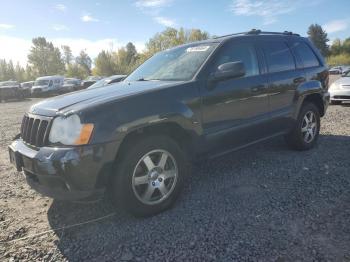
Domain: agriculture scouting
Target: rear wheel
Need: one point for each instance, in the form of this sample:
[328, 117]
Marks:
[306, 130]
[150, 175]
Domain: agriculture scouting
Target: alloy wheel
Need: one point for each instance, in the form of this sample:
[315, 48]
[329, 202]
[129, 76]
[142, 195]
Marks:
[154, 177]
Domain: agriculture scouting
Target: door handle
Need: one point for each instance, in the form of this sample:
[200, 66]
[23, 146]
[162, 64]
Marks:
[299, 80]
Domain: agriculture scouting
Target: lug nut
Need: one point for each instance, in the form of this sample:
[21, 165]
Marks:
[160, 179]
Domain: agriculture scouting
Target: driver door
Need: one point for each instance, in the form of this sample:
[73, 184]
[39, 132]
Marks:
[235, 111]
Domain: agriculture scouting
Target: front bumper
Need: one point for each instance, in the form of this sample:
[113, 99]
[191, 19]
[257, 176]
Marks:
[340, 95]
[72, 173]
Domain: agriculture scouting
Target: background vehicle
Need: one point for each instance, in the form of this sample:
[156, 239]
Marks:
[70, 84]
[340, 89]
[10, 90]
[90, 81]
[107, 81]
[26, 88]
[202, 99]
[335, 70]
[47, 85]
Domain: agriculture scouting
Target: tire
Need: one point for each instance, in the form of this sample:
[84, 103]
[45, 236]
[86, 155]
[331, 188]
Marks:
[140, 171]
[336, 102]
[304, 136]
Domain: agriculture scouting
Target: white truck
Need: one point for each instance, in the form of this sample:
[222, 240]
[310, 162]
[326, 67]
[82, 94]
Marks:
[47, 85]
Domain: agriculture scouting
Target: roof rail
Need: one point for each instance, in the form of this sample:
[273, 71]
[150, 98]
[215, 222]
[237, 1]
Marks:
[242, 33]
[258, 31]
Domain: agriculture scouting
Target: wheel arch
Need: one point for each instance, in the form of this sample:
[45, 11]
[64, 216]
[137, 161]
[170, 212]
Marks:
[311, 92]
[172, 129]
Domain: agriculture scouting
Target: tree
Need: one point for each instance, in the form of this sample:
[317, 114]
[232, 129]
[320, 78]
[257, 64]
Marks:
[11, 71]
[20, 75]
[30, 74]
[104, 64]
[67, 55]
[171, 37]
[76, 70]
[45, 58]
[131, 53]
[336, 47]
[319, 37]
[84, 61]
[340, 59]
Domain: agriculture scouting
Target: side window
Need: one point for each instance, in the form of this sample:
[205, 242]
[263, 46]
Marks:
[239, 52]
[50, 83]
[278, 56]
[304, 52]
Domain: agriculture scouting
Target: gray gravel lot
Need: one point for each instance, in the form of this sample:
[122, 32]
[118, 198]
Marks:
[263, 203]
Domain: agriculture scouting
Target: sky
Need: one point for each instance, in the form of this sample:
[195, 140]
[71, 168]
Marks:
[94, 25]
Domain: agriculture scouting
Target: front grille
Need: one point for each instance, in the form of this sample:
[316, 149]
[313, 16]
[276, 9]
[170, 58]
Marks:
[35, 130]
[341, 97]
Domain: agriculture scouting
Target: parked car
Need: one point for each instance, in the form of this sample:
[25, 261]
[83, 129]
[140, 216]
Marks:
[26, 88]
[108, 81]
[338, 70]
[10, 90]
[198, 100]
[90, 81]
[70, 84]
[340, 89]
[47, 85]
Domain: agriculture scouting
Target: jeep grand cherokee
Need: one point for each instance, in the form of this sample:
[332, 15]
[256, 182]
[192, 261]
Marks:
[201, 99]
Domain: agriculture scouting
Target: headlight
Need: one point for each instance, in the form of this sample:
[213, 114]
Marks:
[70, 131]
[334, 86]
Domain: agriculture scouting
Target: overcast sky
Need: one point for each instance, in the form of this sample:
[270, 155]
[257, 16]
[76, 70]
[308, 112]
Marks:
[97, 25]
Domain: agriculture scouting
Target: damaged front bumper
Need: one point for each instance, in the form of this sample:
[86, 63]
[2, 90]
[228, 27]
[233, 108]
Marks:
[72, 173]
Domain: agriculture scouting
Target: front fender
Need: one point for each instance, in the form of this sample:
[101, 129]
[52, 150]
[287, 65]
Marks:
[114, 120]
[180, 115]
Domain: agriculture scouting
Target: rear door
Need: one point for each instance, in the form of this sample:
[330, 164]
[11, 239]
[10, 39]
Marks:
[308, 60]
[235, 111]
[284, 78]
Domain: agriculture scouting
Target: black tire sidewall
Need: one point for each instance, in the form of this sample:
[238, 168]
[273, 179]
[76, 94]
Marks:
[122, 183]
[305, 109]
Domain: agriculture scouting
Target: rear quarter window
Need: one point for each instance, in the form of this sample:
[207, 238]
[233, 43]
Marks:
[306, 55]
[278, 56]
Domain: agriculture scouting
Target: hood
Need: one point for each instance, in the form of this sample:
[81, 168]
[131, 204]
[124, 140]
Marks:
[89, 97]
[343, 81]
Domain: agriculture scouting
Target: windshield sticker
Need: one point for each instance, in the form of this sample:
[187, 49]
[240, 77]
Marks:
[201, 48]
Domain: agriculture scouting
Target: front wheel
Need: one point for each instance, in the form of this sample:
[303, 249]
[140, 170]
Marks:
[306, 130]
[149, 175]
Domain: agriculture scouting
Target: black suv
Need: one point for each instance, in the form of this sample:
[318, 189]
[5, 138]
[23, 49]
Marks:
[201, 99]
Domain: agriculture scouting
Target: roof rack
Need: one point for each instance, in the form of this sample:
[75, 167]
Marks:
[258, 32]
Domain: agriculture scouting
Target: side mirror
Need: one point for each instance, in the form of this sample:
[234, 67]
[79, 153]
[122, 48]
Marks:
[228, 70]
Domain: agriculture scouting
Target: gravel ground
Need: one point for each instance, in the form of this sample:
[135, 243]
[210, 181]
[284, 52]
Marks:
[263, 203]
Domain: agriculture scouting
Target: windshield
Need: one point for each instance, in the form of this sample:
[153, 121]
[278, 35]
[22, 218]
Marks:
[92, 78]
[41, 82]
[100, 83]
[177, 64]
[70, 81]
[9, 83]
[346, 74]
